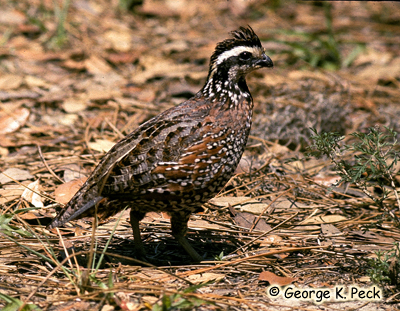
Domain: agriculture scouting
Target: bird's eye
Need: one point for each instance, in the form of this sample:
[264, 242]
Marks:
[245, 55]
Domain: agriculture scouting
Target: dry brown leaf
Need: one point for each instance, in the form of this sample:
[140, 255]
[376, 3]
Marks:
[329, 230]
[273, 279]
[205, 277]
[3, 151]
[121, 58]
[146, 95]
[279, 149]
[10, 82]
[102, 145]
[13, 173]
[155, 67]
[12, 17]
[61, 119]
[11, 192]
[33, 81]
[270, 239]
[326, 180]
[376, 72]
[10, 121]
[364, 279]
[72, 171]
[246, 220]
[30, 215]
[247, 204]
[152, 216]
[284, 203]
[182, 8]
[247, 164]
[75, 65]
[316, 220]
[74, 105]
[99, 93]
[97, 65]
[158, 8]
[28, 29]
[33, 197]
[129, 306]
[150, 275]
[204, 224]
[36, 52]
[65, 192]
[244, 166]
[110, 308]
[374, 57]
[120, 40]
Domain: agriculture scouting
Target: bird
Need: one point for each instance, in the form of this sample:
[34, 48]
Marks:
[178, 160]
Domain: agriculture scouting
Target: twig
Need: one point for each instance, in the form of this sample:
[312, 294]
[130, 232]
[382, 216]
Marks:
[286, 250]
[47, 166]
[267, 207]
[120, 135]
[264, 234]
[65, 249]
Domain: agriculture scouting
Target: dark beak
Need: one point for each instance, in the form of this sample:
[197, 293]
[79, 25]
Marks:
[265, 61]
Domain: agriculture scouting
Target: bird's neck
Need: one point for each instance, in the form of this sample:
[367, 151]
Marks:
[220, 87]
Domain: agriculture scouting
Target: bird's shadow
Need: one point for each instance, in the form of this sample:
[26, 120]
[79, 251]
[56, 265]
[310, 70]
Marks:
[160, 250]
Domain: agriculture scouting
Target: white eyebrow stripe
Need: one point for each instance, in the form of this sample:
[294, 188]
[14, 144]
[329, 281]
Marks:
[236, 51]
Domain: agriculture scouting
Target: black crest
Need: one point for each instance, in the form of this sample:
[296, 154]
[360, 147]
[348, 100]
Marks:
[241, 37]
[245, 36]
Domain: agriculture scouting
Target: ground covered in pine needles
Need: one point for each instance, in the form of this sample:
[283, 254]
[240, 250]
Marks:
[76, 76]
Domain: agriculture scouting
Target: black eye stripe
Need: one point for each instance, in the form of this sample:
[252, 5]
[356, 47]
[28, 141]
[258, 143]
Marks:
[245, 55]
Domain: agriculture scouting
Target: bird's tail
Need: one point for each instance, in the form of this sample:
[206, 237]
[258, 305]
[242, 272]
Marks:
[70, 214]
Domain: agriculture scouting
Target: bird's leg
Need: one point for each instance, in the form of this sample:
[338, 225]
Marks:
[135, 218]
[179, 227]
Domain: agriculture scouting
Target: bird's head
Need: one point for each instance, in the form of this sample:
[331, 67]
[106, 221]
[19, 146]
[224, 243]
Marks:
[234, 58]
[241, 54]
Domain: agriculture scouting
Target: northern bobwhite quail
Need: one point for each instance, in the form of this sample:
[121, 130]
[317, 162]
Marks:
[181, 158]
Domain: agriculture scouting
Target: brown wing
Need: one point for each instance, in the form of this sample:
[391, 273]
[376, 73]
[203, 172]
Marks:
[129, 168]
